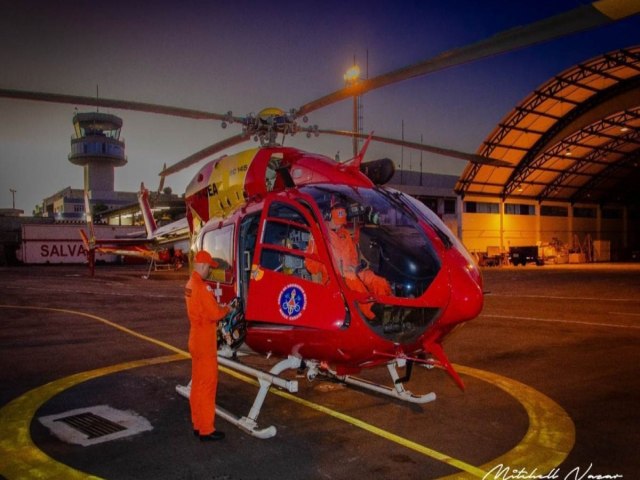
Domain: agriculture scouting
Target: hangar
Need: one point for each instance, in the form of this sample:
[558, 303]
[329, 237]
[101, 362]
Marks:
[573, 146]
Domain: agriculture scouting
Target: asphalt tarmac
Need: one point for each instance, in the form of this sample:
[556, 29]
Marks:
[551, 369]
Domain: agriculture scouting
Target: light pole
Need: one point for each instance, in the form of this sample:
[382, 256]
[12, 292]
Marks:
[13, 196]
[351, 78]
[402, 156]
[421, 160]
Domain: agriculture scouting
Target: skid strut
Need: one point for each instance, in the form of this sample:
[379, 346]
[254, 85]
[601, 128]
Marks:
[398, 391]
[249, 423]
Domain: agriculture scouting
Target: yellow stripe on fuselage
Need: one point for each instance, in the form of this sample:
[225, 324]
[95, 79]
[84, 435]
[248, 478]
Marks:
[227, 181]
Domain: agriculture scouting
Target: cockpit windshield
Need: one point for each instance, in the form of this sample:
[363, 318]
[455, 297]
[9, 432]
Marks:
[441, 229]
[375, 241]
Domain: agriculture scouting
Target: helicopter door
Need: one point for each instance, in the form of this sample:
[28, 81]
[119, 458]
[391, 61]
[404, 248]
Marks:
[247, 239]
[283, 287]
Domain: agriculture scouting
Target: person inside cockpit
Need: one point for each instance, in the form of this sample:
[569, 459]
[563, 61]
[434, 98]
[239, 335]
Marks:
[356, 273]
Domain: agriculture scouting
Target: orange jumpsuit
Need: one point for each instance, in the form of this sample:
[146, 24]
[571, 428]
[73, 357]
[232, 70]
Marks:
[313, 266]
[204, 314]
[346, 255]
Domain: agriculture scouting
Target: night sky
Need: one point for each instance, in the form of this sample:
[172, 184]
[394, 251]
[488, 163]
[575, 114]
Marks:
[247, 55]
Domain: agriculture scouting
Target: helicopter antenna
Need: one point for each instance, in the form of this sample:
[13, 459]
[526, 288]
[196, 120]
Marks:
[357, 160]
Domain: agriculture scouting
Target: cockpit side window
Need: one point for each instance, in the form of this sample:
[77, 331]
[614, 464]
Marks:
[219, 243]
[286, 243]
[286, 212]
[286, 234]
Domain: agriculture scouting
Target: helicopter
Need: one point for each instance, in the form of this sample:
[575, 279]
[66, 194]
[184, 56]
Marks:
[258, 212]
[162, 247]
[266, 216]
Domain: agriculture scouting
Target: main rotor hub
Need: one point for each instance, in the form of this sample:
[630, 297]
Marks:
[271, 122]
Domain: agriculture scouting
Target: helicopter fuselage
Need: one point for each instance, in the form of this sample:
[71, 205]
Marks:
[262, 216]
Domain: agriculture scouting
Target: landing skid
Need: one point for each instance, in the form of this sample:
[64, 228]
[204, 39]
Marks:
[398, 391]
[249, 423]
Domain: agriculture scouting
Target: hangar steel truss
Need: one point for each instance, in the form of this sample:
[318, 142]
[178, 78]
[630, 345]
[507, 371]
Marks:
[574, 139]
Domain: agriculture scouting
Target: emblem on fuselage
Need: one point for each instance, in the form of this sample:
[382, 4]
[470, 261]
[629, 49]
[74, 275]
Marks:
[292, 301]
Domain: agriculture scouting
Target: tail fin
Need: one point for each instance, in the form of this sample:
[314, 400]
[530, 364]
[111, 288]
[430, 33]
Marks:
[89, 218]
[149, 222]
[90, 242]
[85, 240]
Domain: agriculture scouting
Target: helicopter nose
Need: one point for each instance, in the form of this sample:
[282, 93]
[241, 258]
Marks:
[467, 298]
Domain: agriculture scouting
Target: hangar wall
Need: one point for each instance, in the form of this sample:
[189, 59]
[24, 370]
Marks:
[480, 231]
[489, 225]
[486, 223]
[520, 229]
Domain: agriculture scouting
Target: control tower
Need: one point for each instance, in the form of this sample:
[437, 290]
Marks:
[97, 147]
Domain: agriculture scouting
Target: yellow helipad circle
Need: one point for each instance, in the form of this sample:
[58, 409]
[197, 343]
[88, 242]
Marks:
[551, 434]
[547, 442]
[19, 456]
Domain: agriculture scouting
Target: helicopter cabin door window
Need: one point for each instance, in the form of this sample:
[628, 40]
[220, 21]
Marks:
[282, 292]
[286, 243]
[219, 243]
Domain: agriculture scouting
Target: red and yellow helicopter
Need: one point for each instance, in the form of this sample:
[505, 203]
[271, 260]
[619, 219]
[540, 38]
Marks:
[259, 211]
[266, 216]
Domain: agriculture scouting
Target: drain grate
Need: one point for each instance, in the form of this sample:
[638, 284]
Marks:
[92, 425]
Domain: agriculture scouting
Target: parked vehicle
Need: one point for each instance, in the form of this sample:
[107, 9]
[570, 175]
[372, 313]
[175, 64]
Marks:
[524, 255]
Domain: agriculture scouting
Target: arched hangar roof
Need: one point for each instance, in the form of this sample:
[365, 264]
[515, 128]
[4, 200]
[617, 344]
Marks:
[574, 139]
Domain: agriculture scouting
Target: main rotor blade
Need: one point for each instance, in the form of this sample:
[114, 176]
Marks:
[446, 152]
[585, 17]
[120, 104]
[204, 153]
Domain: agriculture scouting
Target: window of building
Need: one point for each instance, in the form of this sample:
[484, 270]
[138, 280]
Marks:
[432, 203]
[481, 207]
[612, 213]
[584, 212]
[449, 206]
[519, 209]
[553, 211]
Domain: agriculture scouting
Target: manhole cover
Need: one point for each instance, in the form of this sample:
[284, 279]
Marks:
[101, 423]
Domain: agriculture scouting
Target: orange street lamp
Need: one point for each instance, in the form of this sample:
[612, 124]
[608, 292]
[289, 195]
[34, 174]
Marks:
[351, 77]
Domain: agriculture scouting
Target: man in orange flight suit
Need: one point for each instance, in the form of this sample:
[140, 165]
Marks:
[346, 255]
[204, 314]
